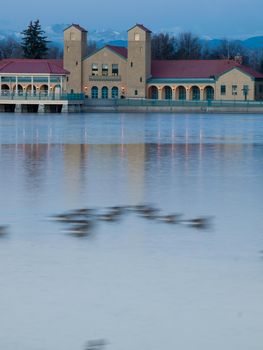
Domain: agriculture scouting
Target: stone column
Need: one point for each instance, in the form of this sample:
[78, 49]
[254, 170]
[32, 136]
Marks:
[48, 85]
[174, 93]
[18, 108]
[202, 93]
[64, 108]
[188, 93]
[61, 85]
[32, 82]
[160, 92]
[16, 85]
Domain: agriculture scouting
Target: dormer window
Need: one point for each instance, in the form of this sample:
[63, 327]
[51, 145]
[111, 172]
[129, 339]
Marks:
[137, 37]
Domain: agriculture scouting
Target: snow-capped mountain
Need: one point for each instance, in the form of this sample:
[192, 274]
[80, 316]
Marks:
[114, 37]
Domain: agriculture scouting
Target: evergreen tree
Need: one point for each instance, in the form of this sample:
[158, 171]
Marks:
[34, 42]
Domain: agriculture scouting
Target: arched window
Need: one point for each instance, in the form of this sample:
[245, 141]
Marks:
[94, 92]
[104, 92]
[195, 93]
[209, 93]
[114, 92]
[153, 93]
[168, 93]
[31, 89]
[181, 91]
[44, 89]
[18, 89]
[5, 89]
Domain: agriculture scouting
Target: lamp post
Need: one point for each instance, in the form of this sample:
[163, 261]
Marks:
[245, 91]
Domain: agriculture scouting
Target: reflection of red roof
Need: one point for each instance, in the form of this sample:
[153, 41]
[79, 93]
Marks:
[21, 66]
[120, 50]
[187, 69]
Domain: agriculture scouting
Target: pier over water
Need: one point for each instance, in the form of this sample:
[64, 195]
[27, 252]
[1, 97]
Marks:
[39, 102]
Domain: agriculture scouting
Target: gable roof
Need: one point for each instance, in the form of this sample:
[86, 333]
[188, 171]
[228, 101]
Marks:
[77, 26]
[250, 71]
[197, 69]
[141, 26]
[120, 50]
[33, 66]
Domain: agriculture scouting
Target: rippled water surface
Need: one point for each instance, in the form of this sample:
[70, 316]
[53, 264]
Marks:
[139, 284]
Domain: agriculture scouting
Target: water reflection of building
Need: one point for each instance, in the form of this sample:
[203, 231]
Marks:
[116, 170]
[136, 157]
[35, 157]
[111, 170]
[75, 158]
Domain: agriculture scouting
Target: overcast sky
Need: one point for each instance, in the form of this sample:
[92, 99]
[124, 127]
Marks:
[215, 18]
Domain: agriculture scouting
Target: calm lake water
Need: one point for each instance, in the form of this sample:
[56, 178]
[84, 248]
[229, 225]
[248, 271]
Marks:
[139, 284]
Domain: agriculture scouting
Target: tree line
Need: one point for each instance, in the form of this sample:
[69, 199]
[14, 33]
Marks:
[184, 46]
[187, 46]
[33, 44]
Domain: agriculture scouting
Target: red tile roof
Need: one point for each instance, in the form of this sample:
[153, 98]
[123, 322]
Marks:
[141, 26]
[34, 66]
[251, 72]
[187, 69]
[120, 50]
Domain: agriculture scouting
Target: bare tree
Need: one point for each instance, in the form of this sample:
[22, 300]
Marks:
[228, 49]
[10, 48]
[55, 52]
[188, 46]
[163, 46]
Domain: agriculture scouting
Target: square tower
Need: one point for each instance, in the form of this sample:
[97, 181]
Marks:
[75, 49]
[139, 61]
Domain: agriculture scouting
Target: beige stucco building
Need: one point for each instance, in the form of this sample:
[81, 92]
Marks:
[120, 72]
[129, 72]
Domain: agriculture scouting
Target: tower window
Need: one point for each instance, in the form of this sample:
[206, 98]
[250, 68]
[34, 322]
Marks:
[95, 69]
[136, 92]
[137, 37]
[105, 69]
[131, 64]
[77, 63]
[72, 36]
[68, 49]
[140, 79]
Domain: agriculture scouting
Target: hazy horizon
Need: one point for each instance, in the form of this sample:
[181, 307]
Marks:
[215, 19]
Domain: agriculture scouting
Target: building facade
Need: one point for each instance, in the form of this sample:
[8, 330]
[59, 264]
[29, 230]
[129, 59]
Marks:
[129, 72]
[120, 72]
[32, 77]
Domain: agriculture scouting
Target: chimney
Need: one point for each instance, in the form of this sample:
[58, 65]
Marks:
[238, 59]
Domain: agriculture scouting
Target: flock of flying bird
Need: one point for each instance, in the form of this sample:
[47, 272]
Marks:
[80, 222]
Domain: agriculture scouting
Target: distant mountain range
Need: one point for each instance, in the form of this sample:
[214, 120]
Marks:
[119, 38]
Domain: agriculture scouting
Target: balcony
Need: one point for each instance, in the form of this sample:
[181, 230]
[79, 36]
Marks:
[104, 78]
